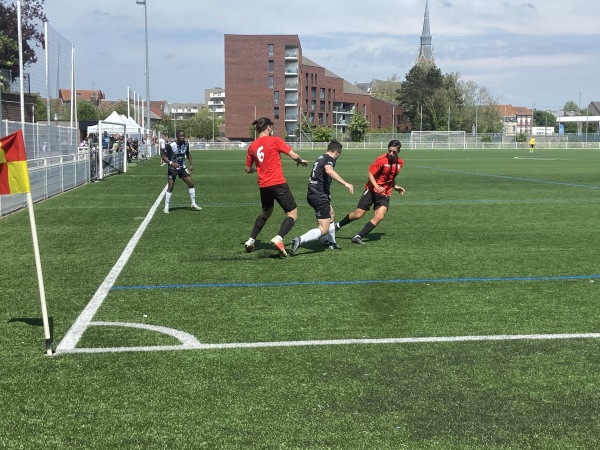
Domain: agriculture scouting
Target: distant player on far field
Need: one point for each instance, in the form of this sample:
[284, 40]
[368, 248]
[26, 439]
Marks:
[531, 144]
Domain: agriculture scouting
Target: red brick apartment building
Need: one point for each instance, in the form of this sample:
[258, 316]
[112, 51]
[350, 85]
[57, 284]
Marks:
[267, 75]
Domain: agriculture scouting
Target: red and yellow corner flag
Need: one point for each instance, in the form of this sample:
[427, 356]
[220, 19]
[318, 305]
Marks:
[14, 176]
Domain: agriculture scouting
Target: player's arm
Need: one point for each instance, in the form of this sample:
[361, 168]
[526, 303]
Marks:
[296, 157]
[373, 181]
[164, 154]
[250, 163]
[335, 176]
[399, 189]
[189, 157]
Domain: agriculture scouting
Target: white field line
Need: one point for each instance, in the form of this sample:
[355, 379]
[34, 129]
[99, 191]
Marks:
[190, 343]
[69, 342]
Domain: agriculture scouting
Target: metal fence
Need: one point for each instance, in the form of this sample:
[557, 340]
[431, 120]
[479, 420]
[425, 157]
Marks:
[54, 162]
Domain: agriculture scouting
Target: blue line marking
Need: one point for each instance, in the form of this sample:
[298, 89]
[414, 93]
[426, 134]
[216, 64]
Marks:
[356, 282]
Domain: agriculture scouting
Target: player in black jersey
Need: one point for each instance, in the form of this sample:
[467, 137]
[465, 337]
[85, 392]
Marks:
[319, 197]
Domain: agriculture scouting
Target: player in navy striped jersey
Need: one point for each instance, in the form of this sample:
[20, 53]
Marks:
[175, 154]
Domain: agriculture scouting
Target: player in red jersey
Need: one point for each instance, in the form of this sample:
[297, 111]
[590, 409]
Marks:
[382, 174]
[264, 158]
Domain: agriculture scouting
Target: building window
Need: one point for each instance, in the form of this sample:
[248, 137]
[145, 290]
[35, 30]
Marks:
[313, 105]
[271, 50]
[313, 92]
[276, 98]
[322, 105]
[276, 113]
[329, 94]
[271, 82]
[322, 93]
[312, 79]
[271, 66]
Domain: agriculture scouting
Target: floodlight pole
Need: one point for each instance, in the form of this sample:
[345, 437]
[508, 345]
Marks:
[143, 2]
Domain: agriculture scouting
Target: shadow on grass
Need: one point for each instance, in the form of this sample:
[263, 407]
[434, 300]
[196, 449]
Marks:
[35, 322]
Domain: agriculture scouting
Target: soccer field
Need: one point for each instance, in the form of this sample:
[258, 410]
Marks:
[470, 318]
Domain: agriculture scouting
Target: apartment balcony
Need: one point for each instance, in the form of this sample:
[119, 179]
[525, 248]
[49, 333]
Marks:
[291, 101]
[291, 54]
[291, 70]
[339, 110]
[291, 86]
[291, 117]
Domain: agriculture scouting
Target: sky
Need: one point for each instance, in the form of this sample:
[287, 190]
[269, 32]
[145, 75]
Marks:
[537, 54]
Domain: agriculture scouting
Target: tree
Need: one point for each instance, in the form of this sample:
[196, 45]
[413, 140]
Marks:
[417, 94]
[41, 111]
[87, 111]
[571, 109]
[358, 127]
[322, 134]
[7, 46]
[479, 107]
[31, 12]
[544, 119]
[204, 125]
[442, 102]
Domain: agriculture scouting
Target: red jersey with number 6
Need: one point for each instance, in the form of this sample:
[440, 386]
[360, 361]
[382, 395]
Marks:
[384, 173]
[265, 154]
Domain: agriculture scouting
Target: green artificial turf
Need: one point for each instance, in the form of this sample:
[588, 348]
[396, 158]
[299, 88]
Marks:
[485, 243]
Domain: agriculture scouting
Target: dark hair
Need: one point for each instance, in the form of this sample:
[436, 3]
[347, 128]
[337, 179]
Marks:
[334, 146]
[395, 143]
[262, 124]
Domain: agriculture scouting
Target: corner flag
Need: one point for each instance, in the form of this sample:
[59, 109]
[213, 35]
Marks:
[14, 176]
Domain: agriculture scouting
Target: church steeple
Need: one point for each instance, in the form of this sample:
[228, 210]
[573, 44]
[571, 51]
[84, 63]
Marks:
[426, 51]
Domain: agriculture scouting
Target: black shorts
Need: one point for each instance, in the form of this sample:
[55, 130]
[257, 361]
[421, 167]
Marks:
[280, 193]
[321, 203]
[172, 174]
[371, 198]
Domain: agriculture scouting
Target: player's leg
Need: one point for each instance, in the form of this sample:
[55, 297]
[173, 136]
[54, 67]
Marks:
[170, 185]
[192, 191]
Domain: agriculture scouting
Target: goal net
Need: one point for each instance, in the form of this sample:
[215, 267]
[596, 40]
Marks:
[438, 140]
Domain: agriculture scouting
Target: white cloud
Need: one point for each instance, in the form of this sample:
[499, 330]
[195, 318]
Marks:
[507, 44]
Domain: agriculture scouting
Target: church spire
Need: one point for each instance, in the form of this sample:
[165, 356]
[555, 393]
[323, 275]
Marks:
[426, 51]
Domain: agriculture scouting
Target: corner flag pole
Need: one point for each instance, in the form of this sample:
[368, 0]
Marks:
[38, 266]
[36, 249]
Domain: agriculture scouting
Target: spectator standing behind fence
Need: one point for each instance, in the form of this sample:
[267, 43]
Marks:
[175, 155]
[378, 190]
[105, 141]
[319, 197]
[264, 157]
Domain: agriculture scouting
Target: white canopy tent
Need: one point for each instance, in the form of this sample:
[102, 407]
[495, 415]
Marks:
[114, 124]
